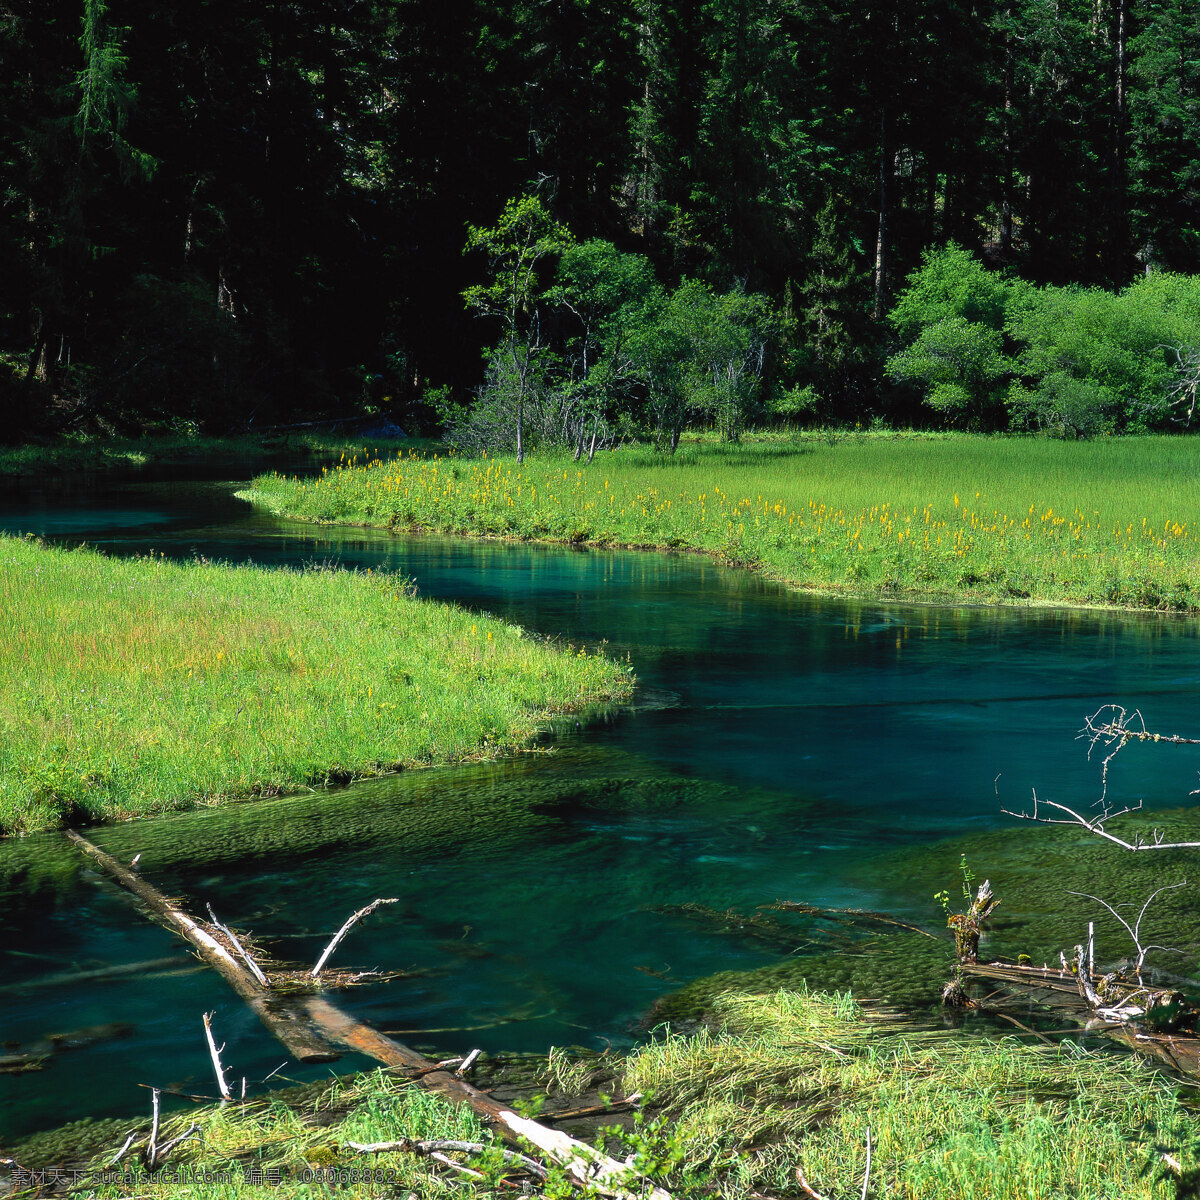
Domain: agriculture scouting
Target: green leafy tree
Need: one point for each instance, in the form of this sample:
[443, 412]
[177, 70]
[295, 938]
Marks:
[521, 248]
[1064, 406]
[716, 351]
[951, 314]
[950, 282]
[605, 297]
[960, 366]
[1128, 351]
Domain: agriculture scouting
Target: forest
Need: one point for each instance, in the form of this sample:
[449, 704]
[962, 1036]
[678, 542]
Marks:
[218, 215]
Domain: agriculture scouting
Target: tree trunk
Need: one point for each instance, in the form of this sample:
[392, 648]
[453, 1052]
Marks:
[880, 280]
[1119, 204]
[291, 1030]
[1006, 165]
[587, 1165]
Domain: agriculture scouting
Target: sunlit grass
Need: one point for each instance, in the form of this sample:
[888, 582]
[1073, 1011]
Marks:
[795, 1081]
[1102, 522]
[129, 687]
[293, 1150]
[789, 1087]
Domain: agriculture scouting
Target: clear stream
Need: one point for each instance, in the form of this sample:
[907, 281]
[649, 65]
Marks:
[782, 746]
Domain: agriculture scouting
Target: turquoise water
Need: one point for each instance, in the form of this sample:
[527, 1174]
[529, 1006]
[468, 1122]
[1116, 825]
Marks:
[778, 742]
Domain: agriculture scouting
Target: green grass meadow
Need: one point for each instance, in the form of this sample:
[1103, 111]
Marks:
[134, 686]
[241, 453]
[1105, 522]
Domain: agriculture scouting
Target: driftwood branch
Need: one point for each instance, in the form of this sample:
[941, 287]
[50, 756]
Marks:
[251, 965]
[75, 978]
[585, 1164]
[867, 1173]
[282, 1020]
[408, 1146]
[215, 1054]
[336, 940]
[152, 1145]
[1134, 930]
[1111, 729]
[1096, 825]
[167, 1147]
[120, 1154]
[593, 1110]
[807, 1187]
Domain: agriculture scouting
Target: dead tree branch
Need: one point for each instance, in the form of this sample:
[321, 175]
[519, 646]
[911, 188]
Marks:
[1133, 930]
[1119, 729]
[215, 1054]
[251, 965]
[408, 1146]
[361, 915]
[1183, 393]
[1111, 728]
[293, 1031]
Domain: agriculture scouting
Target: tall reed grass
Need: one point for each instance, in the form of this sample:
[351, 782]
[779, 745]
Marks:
[1110, 522]
[129, 687]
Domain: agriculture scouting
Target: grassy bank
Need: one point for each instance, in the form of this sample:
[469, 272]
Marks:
[789, 1087]
[795, 1081]
[129, 687]
[244, 452]
[1101, 522]
[280, 1143]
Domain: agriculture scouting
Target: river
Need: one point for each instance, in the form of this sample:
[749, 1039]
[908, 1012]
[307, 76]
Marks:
[781, 746]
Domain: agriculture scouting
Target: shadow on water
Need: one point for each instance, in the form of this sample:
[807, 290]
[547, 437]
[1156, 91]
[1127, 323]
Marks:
[840, 753]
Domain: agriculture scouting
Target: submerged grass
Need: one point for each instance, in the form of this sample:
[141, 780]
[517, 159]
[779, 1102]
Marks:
[129, 687]
[992, 518]
[796, 1080]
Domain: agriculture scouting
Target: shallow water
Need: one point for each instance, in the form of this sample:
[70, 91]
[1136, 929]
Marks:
[782, 746]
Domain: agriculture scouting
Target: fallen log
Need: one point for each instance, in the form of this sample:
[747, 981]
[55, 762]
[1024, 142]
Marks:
[98, 974]
[584, 1163]
[1060, 992]
[297, 1023]
[279, 1017]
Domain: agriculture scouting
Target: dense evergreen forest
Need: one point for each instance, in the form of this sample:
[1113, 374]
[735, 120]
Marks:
[216, 212]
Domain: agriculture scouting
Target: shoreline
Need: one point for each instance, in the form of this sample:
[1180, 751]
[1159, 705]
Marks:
[915, 599]
[174, 685]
